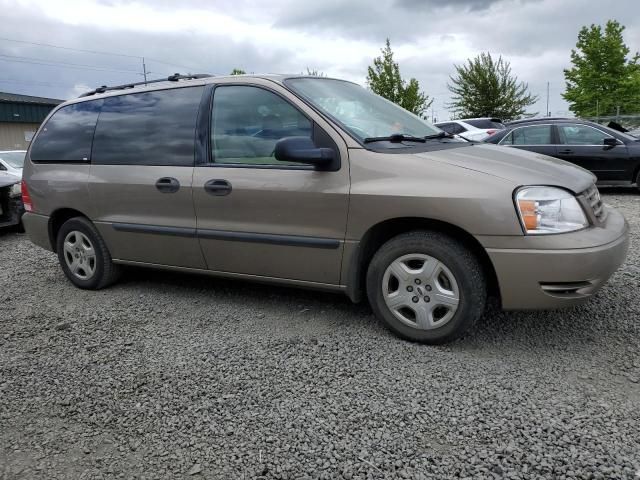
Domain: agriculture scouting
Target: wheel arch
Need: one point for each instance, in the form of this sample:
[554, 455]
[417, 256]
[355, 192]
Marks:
[57, 219]
[382, 232]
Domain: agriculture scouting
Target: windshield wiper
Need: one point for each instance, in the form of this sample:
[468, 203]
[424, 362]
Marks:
[439, 135]
[395, 138]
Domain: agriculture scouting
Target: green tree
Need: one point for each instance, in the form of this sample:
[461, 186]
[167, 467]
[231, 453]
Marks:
[384, 79]
[602, 77]
[487, 88]
[237, 71]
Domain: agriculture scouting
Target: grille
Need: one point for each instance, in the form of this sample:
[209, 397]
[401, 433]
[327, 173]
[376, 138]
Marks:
[592, 195]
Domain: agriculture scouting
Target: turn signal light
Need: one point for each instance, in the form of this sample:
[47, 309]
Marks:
[528, 210]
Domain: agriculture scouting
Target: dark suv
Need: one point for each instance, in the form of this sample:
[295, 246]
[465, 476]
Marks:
[614, 157]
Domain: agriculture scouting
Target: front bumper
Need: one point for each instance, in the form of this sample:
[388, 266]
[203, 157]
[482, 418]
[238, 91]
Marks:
[563, 270]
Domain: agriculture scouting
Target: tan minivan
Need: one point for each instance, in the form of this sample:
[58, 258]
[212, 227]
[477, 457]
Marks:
[319, 183]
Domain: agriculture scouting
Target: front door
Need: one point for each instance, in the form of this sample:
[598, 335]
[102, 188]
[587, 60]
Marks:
[141, 176]
[260, 216]
[534, 138]
[583, 145]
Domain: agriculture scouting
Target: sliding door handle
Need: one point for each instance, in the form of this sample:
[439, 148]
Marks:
[168, 185]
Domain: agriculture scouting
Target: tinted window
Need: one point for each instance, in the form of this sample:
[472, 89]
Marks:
[573, 134]
[485, 123]
[149, 128]
[534, 135]
[457, 128]
[447, 127]
[247, 123]
[67, 135]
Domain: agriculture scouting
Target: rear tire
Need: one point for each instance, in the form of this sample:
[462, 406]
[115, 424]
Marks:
[426, 287]
[83, 255]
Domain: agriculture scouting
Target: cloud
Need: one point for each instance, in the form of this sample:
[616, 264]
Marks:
[286, 36]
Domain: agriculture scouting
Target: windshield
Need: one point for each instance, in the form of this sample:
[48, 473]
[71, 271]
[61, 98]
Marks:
[14, 159]
[364, 114]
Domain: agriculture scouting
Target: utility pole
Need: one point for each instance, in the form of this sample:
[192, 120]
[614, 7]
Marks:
[618, 113]
[144, 71]
[548, 113]
[597, 111]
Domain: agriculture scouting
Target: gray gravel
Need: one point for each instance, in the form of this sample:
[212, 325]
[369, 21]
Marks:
[167, 375]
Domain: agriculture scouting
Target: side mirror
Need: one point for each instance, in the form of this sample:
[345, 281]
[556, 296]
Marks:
[610, 142]
[302, 150]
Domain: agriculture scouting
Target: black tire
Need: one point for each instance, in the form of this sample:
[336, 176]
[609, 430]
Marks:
[105, 272]
[462, 263]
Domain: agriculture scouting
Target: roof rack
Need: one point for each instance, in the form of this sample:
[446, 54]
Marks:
[171, 78]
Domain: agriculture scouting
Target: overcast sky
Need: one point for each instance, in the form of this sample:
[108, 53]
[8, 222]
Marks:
[339, 38]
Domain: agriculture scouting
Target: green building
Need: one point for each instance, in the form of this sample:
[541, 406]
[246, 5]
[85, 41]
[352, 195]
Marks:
[20, 117]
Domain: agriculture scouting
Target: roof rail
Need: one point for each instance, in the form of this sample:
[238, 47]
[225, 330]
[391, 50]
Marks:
[171, 78]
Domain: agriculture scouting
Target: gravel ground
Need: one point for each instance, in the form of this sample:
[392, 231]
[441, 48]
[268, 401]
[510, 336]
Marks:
[177, 376]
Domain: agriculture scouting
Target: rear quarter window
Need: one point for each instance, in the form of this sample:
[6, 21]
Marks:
[485, 124]
[67, 135]
[148, 128]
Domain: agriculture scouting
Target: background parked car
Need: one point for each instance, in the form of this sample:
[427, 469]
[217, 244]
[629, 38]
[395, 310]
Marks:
[614, 157]
[11, 207]
[11, 161]
[476, 129]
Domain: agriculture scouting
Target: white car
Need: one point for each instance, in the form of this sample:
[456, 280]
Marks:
[474, 129]
[11, 161]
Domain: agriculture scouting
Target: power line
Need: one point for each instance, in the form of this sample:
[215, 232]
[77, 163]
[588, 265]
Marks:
[97, 52]
[69, 48]
[68, 66]
[64, 63]
[42, 84]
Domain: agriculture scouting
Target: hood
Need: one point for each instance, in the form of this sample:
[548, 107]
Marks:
[519, 166]
[7, 179]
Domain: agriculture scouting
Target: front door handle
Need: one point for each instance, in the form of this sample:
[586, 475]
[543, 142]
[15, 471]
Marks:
[566, 151]
[168, 185]
[218, 187]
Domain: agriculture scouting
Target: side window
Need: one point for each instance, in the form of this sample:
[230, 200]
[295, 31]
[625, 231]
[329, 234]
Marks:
[457, 128]
[2, 167]
[574, 134]
[67, 135]
[148, 128]
[248, 121]
[534, 135]
[447, 127]
[507, 139]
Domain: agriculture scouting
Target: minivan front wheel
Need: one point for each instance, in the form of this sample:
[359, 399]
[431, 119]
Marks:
[426, 286]
[83, 255]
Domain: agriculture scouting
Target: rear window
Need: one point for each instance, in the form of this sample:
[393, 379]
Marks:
[486, 123]
[148, 128]
[67, 135]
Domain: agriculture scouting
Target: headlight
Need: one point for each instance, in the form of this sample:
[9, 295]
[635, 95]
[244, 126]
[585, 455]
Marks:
[16, 190]
[549, 210]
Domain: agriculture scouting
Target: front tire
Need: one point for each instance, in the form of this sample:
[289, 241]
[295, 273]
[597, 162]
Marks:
[426, 287]
[83, 255]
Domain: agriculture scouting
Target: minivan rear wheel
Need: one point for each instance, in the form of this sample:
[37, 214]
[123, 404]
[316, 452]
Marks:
[83, 255]
[426, 286]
